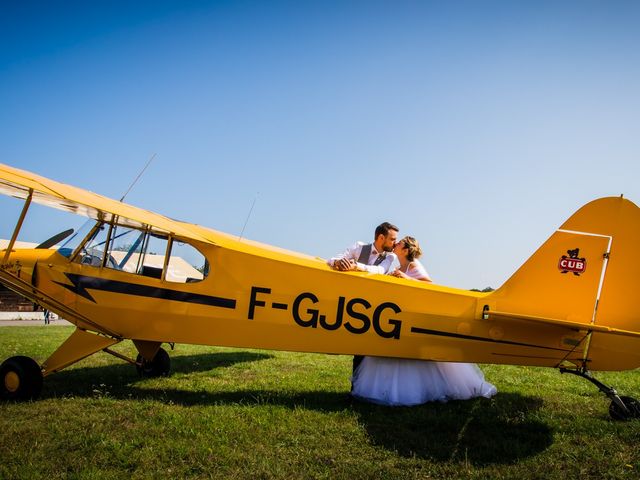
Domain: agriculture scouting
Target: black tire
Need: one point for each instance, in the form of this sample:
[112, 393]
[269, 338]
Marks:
[20, 379]
[160, 366]
[632, 405]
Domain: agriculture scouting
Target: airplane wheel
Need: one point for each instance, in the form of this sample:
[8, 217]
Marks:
[158, 367]
[20, 379]
[632, 405]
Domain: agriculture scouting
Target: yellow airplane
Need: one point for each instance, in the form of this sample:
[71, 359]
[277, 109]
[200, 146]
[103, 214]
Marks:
[571, 306]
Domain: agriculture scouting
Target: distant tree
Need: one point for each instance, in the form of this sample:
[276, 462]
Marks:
[484, 290]
[123, 247]
[204, 269]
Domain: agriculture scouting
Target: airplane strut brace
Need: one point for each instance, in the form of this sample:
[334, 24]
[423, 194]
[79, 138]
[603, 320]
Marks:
[621, 407]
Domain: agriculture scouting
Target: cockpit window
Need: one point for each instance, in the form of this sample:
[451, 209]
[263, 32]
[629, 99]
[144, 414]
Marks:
[125, 248]
[186, 264]
[92, 252]
[71, 243]
[140, 252]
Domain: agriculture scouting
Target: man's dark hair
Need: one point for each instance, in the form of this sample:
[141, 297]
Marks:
[384, 228]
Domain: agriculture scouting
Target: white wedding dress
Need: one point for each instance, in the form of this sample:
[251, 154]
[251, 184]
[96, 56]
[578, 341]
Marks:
[405, 382]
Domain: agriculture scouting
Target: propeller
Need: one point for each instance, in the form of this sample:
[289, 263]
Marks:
[57, 238]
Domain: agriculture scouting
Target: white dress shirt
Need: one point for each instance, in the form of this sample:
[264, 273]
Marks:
[353, 253]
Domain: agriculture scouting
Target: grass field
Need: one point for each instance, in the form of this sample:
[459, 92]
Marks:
[231, 413]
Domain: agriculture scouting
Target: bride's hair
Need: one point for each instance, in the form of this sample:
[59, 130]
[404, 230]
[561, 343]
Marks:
[413, 248]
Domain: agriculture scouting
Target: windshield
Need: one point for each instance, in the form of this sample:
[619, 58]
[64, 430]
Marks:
[67, 248]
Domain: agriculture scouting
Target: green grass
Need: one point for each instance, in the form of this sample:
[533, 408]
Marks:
[232, 413]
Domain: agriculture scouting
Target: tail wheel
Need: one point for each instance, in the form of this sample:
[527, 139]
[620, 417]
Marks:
[160, 366]
[633, 407]
[20, 379]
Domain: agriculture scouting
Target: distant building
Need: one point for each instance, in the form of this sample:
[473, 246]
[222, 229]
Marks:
[9, 300]
[178, 271]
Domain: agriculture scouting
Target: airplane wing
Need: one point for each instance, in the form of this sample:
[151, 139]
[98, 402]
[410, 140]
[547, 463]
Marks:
[20, 184]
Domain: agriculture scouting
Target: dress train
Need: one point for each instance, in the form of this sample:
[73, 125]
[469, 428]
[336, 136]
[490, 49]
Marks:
[405, 382]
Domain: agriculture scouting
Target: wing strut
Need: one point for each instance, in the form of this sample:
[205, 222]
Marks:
[14, 237]
[35, 295]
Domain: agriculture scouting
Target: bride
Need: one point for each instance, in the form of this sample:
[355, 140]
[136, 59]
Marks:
[396, 381]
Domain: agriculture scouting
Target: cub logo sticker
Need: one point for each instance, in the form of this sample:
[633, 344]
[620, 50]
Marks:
[572, 263]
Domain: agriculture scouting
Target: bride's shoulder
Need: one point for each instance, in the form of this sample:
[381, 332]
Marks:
[419, 270]
[417, 265]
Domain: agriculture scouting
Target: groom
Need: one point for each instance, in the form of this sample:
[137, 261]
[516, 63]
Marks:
[374, 257]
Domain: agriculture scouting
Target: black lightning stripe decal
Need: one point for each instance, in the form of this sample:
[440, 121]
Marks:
[481, 339]
[81, 283]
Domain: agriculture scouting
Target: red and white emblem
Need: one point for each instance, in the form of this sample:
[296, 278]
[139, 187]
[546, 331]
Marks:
[572, 262]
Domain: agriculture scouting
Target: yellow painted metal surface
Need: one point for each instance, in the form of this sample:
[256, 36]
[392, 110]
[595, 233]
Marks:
[79, 345]
[257, 296]
[147, 349]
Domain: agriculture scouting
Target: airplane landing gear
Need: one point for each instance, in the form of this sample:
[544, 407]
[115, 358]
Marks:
[20, 379]
[158, 367]
[621, 408]
[632, 409]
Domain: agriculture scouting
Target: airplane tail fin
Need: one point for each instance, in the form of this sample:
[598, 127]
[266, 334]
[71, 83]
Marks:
[587, 272]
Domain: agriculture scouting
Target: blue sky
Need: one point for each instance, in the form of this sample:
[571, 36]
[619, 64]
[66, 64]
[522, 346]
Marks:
[476, 126]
